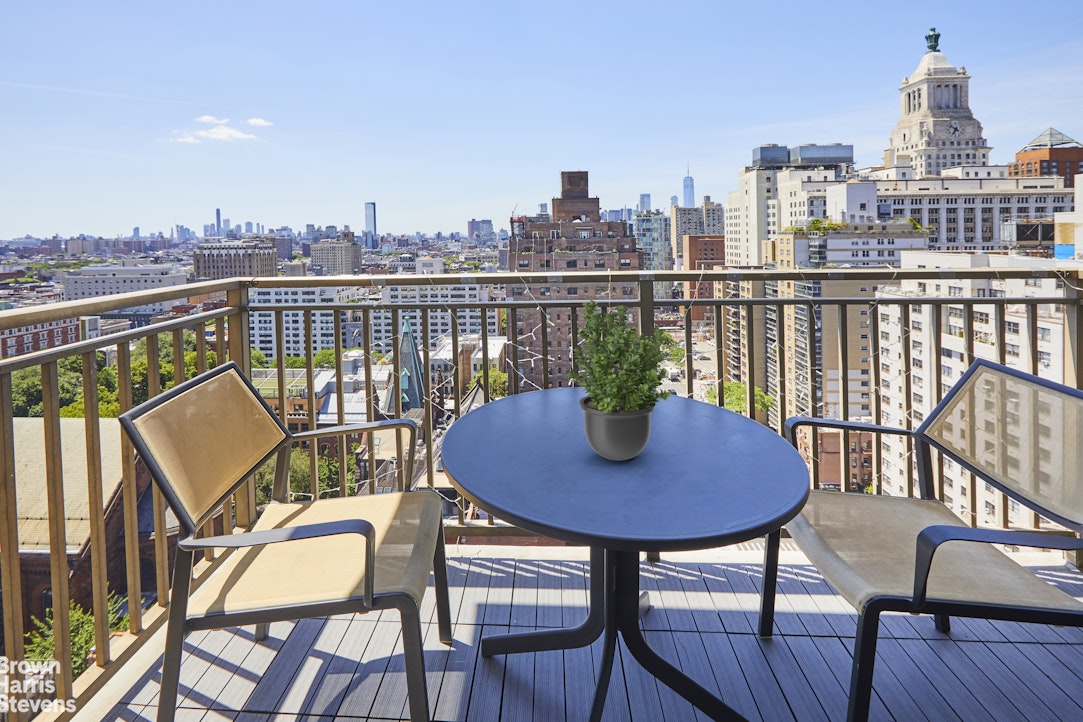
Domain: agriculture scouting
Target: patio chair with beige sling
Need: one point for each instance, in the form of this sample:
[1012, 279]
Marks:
[200, 441]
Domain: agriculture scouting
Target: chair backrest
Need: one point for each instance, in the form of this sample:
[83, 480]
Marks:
[202, 438]
[1018, 432]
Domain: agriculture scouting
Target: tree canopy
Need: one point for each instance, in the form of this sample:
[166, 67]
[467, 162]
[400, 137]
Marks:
[27, 389]
[734, 395]
[498, 382]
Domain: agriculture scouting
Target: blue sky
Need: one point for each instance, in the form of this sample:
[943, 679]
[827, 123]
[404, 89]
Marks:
[121, 114]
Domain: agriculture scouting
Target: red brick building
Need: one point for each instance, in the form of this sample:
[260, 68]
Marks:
[573, 240]
[40, 336]
[1051, 153]
[702, 253]
[33, 515]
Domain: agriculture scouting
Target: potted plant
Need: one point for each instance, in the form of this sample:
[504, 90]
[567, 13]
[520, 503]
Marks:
[621, 372]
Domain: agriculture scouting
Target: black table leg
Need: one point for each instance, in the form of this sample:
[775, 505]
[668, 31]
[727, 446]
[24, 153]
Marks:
[570, 638]
[615, 608]
[626, 567]
[609, 642]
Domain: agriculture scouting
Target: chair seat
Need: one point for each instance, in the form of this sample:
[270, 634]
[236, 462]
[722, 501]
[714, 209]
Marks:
[328, 568]
[865, 547]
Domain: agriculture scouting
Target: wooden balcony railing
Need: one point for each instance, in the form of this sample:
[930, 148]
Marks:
[790, 334]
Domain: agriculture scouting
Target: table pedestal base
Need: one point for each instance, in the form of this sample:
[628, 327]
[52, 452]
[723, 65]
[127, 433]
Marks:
[615, 607]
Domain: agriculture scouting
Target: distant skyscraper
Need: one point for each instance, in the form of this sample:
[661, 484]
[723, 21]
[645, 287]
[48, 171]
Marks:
[689, 191]
[481, 231]
[644, 203]
[218, 221]
[370, 225]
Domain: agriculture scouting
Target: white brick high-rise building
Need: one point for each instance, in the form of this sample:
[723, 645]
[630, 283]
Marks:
[261, 324]
[919, 372]
[469, 320]
[95, 281]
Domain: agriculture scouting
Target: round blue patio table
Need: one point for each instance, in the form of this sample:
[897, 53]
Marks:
[707, 478]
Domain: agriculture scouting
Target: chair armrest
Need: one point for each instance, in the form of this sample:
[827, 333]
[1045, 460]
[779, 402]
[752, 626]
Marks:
[792, 424]
[293, 533]
[358, 428]
[931, 537]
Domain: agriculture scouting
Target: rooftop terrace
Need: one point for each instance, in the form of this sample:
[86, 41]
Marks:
[705, 603]
[704, 617]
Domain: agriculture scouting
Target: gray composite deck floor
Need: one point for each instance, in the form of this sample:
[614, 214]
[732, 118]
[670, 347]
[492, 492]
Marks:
[704, 616]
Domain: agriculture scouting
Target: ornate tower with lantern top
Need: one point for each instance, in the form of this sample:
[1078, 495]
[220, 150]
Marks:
[936, 128]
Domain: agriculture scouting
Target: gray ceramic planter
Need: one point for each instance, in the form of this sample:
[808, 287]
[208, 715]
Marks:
[618, 436]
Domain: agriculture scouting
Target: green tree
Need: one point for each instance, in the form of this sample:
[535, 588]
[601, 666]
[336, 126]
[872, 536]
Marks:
[108, 407]
[191, 360]
[498, 382]
[324, 358]
[674, 351]
[301, 474]
[916, 225]
[257, 359]
[26, 387]
[26, 392]
[39, 641]
[295, 362]
[140, 386]
[733, 397]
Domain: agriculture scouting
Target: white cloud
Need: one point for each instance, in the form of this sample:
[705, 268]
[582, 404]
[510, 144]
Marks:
[259, 122]
[220, 132]
[224, 132]
[210, 119]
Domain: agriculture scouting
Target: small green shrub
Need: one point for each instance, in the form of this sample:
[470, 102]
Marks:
[620, 369]
[39, 641]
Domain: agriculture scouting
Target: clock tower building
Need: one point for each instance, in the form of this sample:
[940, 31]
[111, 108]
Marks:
[936, 129]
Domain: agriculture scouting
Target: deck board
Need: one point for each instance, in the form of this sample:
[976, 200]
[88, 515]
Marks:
[703, 620]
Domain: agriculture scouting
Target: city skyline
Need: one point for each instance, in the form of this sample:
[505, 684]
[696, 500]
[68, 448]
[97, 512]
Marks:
[146, 116]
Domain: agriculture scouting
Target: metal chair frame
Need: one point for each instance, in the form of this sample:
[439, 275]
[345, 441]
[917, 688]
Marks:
[930, 539]
[189, 544]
